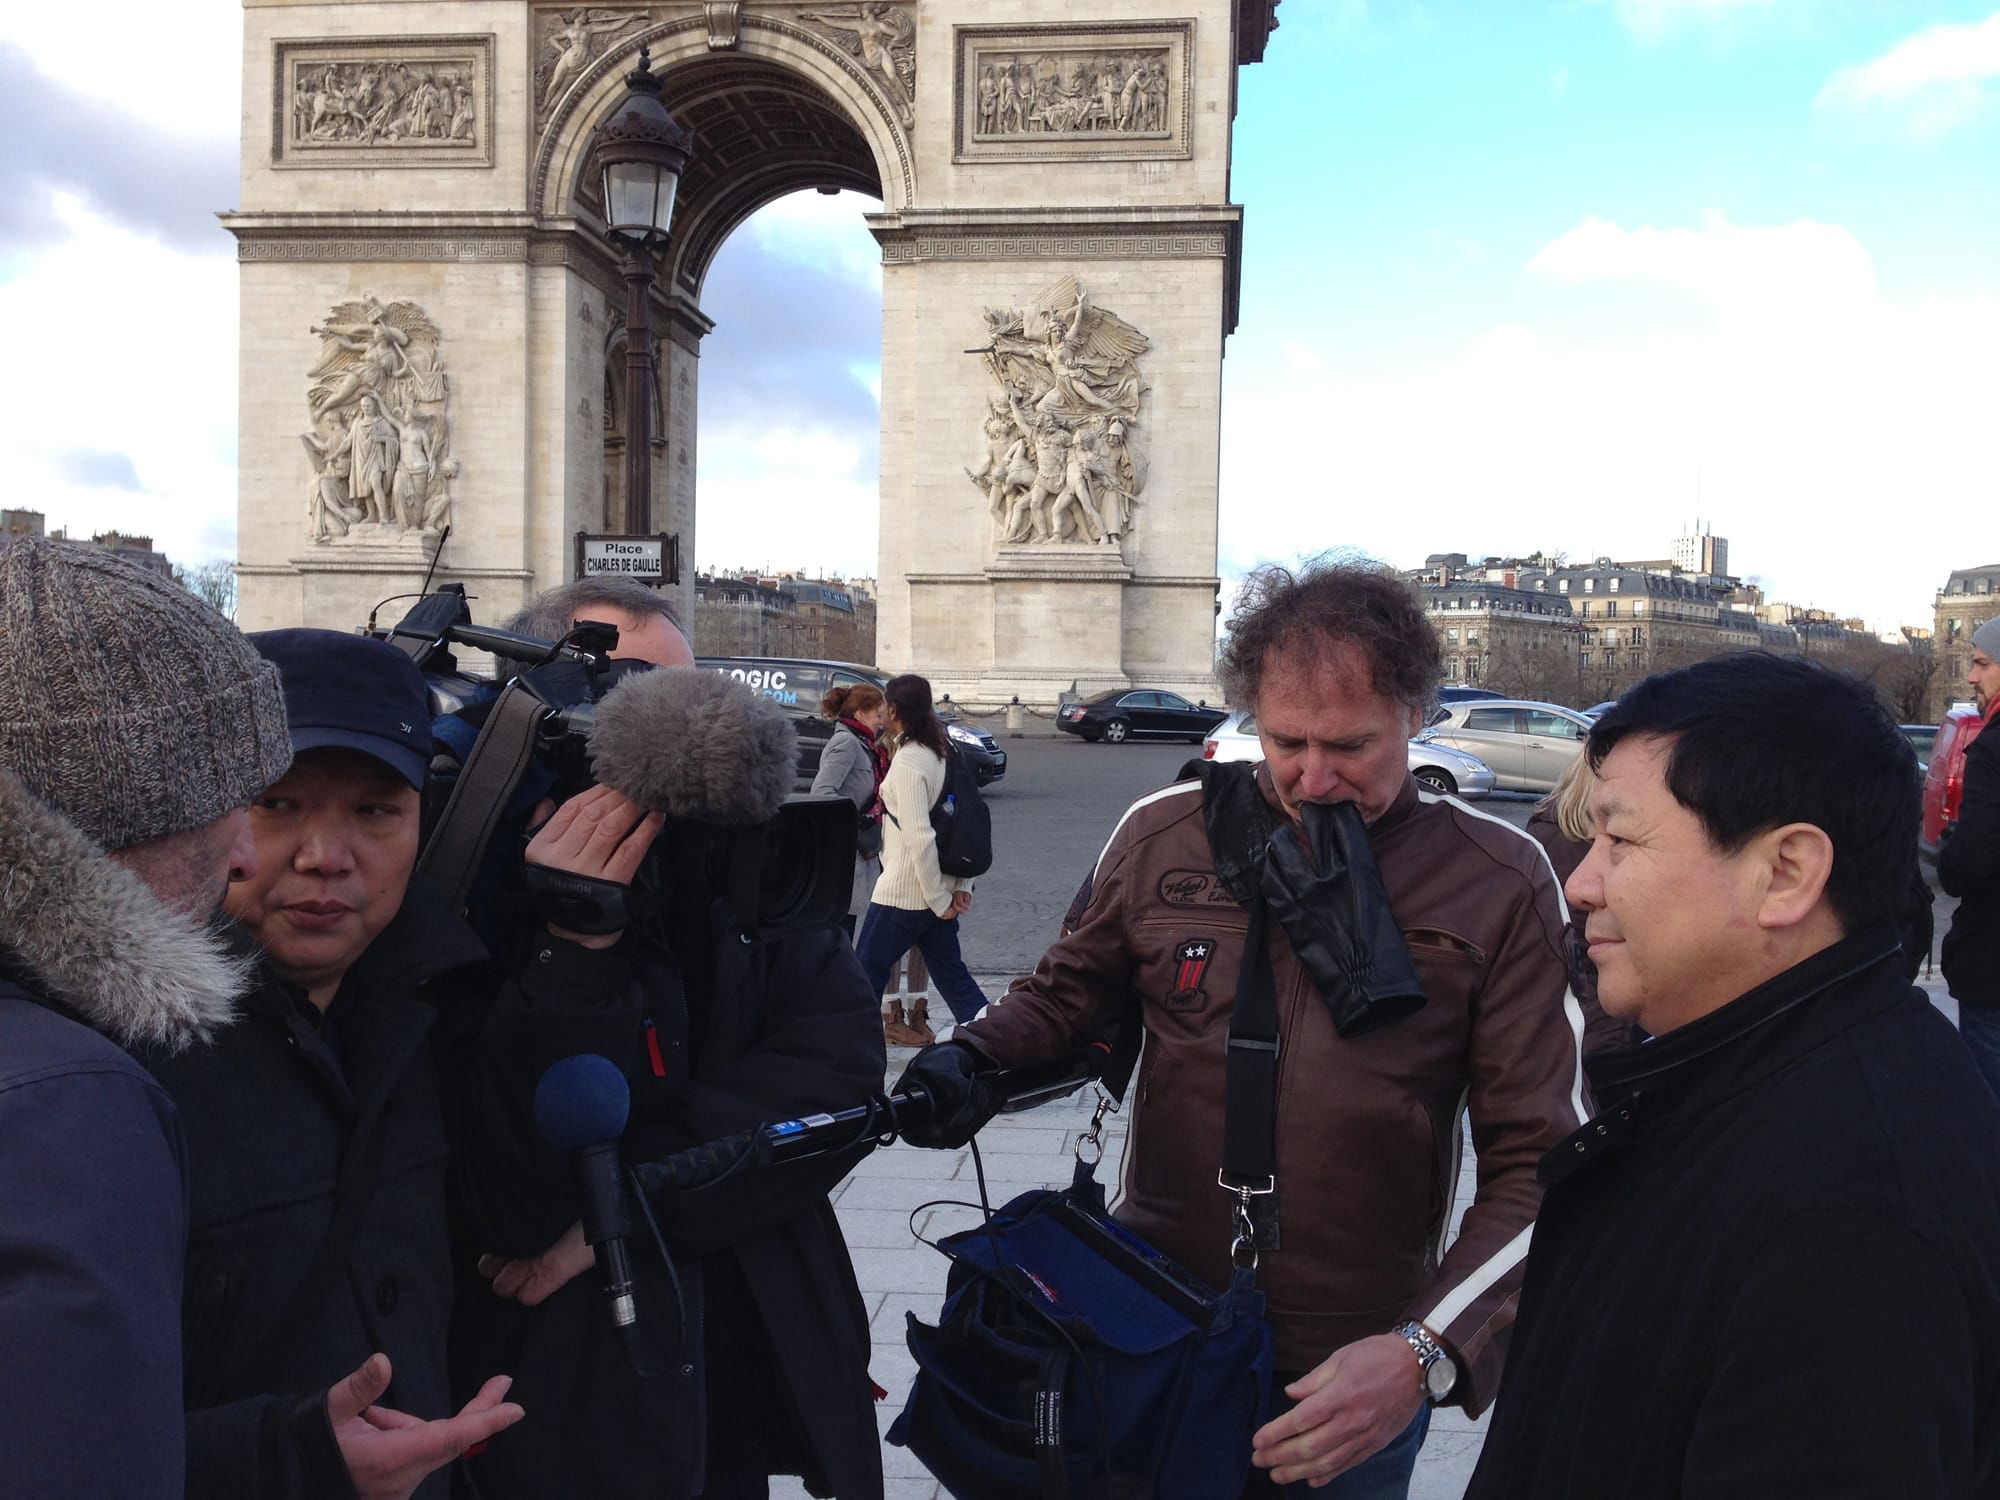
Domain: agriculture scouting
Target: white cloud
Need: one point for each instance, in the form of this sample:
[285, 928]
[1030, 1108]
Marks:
[820, 480]
[120, 345]
[184, 59]
[1837, 444]
[1924, 87]
[1763, 273]
[817, 229]
[1652, 20]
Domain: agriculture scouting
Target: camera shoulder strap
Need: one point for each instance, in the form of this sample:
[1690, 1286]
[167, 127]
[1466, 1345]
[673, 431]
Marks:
[485, 785]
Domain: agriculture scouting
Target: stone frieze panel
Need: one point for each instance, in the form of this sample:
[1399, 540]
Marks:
[1072, 93]
[415, 101]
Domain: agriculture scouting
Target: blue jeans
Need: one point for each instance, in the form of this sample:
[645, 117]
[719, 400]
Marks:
[888, 932]
[1980, 1026]
[1386, 1476]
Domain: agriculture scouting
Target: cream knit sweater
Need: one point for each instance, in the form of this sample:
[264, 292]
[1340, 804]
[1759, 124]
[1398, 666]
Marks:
[911, 879]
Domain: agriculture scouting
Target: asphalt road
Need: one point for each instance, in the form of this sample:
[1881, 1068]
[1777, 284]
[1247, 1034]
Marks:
[1052, 813]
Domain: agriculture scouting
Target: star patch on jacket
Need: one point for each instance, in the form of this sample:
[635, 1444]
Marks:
[1191, 960]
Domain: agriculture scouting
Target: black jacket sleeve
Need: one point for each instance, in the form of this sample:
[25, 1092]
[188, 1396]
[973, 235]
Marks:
[1820, 1391]
[817, 1047]
[272, 1447]
[1970, 858]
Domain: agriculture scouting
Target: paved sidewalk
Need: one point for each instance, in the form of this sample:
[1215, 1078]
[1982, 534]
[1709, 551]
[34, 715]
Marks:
[1033, 1149]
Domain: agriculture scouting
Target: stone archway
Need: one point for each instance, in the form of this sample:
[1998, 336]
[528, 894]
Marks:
[1054, 200]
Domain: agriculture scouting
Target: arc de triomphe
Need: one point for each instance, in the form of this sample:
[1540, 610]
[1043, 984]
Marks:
[432, 323]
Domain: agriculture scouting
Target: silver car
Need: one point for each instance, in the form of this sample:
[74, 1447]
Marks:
[1437, 766]
[1529, 745]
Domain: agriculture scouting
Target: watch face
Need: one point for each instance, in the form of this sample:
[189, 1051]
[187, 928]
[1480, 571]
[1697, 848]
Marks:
[1440, 1378]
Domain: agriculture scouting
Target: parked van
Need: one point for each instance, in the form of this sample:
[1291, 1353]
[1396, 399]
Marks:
[798, 683]
[1944, 781]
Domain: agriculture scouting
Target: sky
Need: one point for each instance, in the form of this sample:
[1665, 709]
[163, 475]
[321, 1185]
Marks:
[1555, 276]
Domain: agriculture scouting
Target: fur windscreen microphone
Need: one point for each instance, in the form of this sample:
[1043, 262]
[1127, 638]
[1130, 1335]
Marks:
[581, 1105]
[695, 744]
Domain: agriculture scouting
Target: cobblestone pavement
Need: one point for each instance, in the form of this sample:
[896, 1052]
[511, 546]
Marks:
[1057, 805]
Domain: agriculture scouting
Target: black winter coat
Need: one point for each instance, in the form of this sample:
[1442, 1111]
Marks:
[295, 1122]
[1767, 1268]
[729, 1034]
[1968, 867]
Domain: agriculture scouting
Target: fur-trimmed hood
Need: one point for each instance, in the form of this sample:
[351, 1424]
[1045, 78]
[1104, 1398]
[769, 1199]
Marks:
[85, 931]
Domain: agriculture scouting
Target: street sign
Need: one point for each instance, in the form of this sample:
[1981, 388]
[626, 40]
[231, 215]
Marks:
[649, 559]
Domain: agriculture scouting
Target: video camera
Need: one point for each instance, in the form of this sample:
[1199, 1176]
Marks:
[691, 745]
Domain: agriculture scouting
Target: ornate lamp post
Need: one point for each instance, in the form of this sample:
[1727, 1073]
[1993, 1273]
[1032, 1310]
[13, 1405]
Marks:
[641, 152]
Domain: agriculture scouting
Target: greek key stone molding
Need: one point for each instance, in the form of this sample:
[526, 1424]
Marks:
[256, 248]
[1109, 92]
[1118, 245]
[410, 101]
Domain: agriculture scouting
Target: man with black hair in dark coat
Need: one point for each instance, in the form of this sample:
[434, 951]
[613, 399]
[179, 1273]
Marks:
[1766, 1267]
[752, 1320]
[318, 1277]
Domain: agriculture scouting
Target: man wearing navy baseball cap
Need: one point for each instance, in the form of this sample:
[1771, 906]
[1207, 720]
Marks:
[318, 1277]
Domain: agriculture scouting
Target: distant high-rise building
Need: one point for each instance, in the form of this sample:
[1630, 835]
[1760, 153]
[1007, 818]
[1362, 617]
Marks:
[1702, 552]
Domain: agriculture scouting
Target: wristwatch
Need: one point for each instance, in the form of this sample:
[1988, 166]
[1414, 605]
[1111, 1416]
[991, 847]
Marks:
[1440, 1372]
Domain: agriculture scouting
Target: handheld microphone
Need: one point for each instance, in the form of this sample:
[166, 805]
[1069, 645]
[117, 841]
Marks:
[581, 1105]
[694, 744]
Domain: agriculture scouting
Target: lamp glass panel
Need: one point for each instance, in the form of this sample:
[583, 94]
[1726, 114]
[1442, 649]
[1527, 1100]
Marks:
[628, 195]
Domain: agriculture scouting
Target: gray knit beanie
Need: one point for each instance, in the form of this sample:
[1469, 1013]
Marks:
[127, 704]
[1987, 638]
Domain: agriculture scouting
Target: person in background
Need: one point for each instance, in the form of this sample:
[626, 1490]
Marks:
[318, 1276]
[1560, 823]
[1968, 867]
[852, 765]
[136, 725]
[915, 904]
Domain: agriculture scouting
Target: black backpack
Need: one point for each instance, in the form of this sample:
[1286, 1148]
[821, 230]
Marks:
[963, 826]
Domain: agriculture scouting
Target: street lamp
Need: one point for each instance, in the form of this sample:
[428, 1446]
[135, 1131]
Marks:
[641, 151]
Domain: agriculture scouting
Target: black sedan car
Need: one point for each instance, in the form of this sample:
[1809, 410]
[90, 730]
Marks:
[1139, 714]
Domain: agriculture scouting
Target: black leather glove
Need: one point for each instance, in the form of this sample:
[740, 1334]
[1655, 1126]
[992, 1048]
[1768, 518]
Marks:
[1336, 913]
[955, 1078]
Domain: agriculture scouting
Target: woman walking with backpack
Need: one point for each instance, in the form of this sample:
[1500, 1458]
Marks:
[915, 904]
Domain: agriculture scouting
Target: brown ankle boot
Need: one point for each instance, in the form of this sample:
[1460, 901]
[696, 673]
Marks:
[920, 1020]
[897, 1032]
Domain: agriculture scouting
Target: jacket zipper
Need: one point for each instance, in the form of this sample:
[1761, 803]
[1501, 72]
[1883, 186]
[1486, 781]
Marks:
[653, 1049]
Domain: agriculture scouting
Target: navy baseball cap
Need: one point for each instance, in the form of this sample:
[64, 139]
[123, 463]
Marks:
[351, 692]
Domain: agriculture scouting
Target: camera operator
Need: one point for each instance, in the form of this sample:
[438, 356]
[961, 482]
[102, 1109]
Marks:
[759, 1329]
[318, 1259]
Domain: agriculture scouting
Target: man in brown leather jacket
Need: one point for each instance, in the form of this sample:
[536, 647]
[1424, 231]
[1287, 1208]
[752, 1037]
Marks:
[1372, 1317]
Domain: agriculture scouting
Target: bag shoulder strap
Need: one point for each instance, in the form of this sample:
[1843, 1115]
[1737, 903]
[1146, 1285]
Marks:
[1239, 825]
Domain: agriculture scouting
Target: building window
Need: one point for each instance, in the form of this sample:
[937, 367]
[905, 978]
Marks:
[1611, 607]
[1471, 636]
[1451, 667]
[1952, 629]
[1610, 637]
[1638, 636]
[1563, 584]
[1614, 585]
[1610, 660]
[1638, 606]
[1590, 585]
[1451, 634]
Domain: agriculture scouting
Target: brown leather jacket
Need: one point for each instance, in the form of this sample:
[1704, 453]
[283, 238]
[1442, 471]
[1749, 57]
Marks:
[1368, 1130]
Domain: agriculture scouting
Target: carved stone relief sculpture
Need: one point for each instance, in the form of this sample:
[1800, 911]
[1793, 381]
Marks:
[1055, 93]
[416, 101]
[379, 443]
[884, 37]
[570, 41]
[1060, 458]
